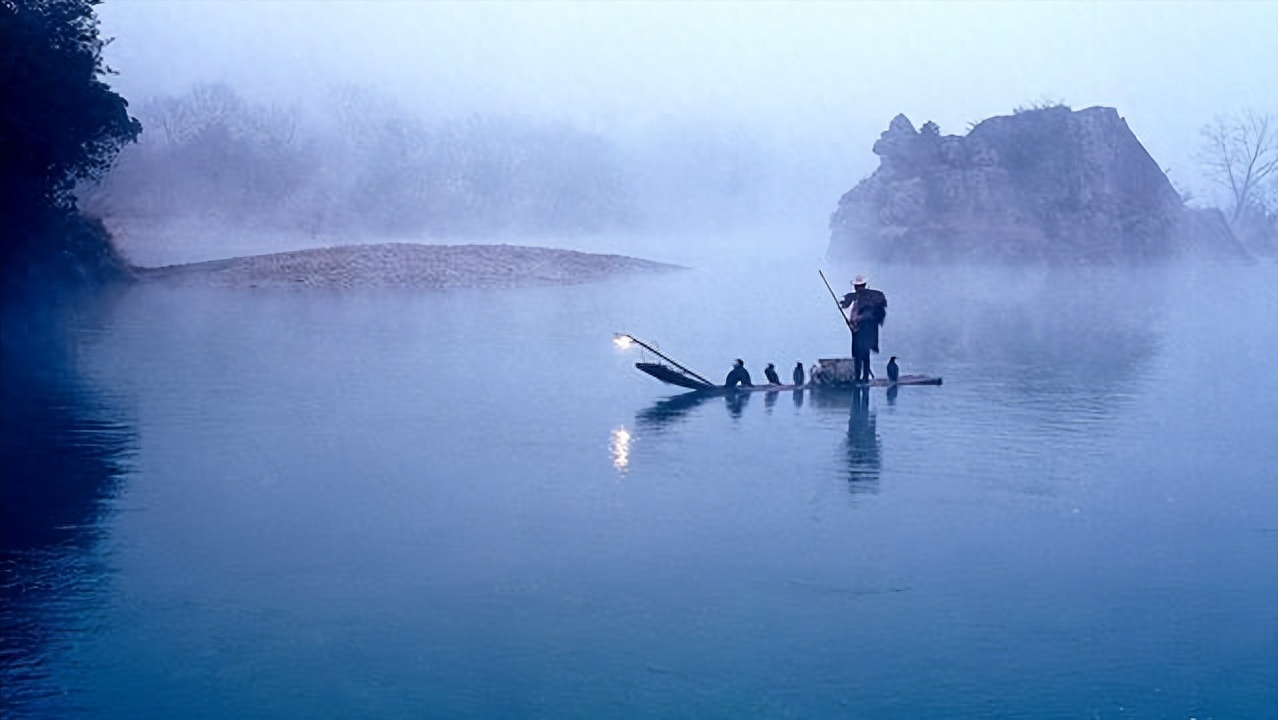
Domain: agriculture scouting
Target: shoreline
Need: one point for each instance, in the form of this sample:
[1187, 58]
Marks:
[404, 265]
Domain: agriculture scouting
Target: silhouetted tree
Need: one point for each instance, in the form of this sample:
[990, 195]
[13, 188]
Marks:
[1239, 152]
[60, 123]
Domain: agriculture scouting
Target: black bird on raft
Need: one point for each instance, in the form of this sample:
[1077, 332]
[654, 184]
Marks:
[738, 375]
[893, 371]
[770, 372]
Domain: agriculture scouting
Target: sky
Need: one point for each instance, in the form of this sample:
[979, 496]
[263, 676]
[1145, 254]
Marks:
[826, 77]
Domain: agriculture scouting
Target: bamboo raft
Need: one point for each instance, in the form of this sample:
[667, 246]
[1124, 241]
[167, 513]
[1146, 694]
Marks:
[671, 376]
[827, 373]
[830, 373]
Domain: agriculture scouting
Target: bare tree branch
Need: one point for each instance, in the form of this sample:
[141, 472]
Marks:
[1239, 153]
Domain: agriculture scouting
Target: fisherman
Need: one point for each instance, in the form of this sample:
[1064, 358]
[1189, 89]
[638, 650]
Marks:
[798, 374]
[770, 372]
[894, 372]
[869, 310]
[738, 375]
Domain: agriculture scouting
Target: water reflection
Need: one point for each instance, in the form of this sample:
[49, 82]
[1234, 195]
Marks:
[1085, 332]
[861, 448]
[665, 412]
[63, 450]
[736, 403]
[864, 452]
[620, 449]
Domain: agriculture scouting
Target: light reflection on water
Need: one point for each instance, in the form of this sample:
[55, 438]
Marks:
[394, 504]
[620, 447]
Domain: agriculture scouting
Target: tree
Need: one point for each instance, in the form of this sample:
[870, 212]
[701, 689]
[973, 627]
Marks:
[208, 150]
[59, 123]
[1240, 153]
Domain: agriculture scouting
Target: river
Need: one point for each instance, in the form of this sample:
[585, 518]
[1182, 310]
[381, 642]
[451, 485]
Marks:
[469, 504]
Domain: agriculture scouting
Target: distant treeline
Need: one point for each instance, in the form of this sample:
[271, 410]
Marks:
[362, 166]
[60, 124]
[355, 162]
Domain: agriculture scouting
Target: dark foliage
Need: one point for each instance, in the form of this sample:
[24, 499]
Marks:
[60, 124]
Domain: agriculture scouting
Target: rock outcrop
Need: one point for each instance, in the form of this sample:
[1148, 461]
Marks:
[1049, 184]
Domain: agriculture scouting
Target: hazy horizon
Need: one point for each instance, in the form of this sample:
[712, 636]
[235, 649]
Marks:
[829, 74]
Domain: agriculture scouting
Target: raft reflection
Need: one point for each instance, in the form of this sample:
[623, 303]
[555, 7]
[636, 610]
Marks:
[663, 413]
[861, 447]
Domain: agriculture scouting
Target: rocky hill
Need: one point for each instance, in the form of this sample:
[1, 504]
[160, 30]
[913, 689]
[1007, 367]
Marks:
[1049, 184]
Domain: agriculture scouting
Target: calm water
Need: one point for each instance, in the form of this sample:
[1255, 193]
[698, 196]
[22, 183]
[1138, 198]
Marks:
[470, 505]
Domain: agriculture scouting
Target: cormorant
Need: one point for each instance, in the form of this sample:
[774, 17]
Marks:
[770, 372]
[738, 375]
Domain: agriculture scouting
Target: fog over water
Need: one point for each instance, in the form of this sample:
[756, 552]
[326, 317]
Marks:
[707, 113]
[466, 502]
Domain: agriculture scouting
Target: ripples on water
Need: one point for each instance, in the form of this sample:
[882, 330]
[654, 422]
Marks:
[469, 504]
[63, 452]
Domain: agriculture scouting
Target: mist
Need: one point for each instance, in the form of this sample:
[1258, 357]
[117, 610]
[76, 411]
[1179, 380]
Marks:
[444, 121]
[404, 472]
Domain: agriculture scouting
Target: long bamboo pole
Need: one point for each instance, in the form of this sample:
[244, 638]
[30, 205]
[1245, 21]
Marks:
[837, 304]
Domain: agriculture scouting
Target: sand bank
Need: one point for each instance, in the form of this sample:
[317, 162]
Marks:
[405, 265]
